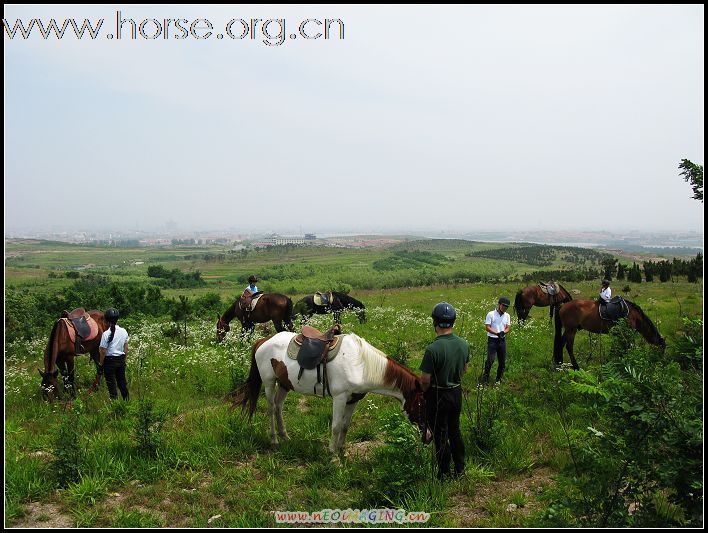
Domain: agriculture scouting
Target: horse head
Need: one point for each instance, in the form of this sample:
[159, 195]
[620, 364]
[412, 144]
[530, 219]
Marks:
[416, 408]
[222, 328]
[49, 384]
[643, 324]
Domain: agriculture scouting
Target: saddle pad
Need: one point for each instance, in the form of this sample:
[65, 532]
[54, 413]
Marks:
[72, 332]
[254, 301]
[322, 298]
[294, 348]
[553, 286]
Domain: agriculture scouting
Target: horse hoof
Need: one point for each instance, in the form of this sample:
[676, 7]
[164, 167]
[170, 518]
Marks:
[284, 436]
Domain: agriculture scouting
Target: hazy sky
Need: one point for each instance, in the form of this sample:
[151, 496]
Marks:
[456, 118]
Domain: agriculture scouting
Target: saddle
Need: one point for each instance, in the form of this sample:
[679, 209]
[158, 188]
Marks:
[322, 298]
[79, 319]
[315, 350]
[248, 300]
[551, 289]
[83, 327]
[615, 309]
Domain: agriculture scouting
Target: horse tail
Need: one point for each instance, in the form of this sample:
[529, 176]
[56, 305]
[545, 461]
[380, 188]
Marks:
[247, 394]
[518, 304]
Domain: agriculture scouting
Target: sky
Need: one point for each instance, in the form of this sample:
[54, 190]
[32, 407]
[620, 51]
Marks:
[458, 118]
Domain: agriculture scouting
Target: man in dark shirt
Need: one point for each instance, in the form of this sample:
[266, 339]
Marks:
[444, 363]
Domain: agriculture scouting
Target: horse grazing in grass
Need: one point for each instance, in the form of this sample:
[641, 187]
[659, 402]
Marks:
[532, 295]
[61, 349]
[340, 302]
[270, 306]
[584, 314]
[357, 369]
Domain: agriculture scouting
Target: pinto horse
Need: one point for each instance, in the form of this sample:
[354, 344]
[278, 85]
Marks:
[584, 314]
[340, 302]
[358, 369]
[60, 351]
[270, 306]
[532, 295]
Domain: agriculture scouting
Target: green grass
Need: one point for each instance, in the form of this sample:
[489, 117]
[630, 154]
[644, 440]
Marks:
[212, 461]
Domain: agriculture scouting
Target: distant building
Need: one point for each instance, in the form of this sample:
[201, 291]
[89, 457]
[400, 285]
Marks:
[310, 236]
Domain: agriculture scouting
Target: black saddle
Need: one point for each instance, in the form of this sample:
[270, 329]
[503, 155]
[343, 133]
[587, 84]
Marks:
[79, 319]
[314, 349]
[615, 309]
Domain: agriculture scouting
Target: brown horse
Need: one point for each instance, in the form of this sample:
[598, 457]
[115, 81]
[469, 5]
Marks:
[59, 355]
[270, 306]
[584, 314]
[532, 295]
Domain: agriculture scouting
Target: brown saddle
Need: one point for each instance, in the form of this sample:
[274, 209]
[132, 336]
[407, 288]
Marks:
[315, 347]
[549, 288]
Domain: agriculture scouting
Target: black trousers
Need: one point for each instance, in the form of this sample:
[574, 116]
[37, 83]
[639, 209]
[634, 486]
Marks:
[114, 370]
[443, 409]
[495, 348]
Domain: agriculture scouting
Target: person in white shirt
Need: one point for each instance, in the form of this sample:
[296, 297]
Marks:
[605, 292]
[113, 351]
[497, 324]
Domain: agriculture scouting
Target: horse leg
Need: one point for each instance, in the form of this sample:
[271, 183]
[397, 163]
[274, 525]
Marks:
[69, 378]
[346, 422]
[339, 405]
[61, 365]
[270, 396]
[279, 401]
[570, 340]
[278, 325]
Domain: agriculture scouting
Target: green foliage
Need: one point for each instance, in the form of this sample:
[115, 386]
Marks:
[147, 428]
[68, 450]
[640, 462]
[542, 255]
[88, 490]
[693, 174]
[175, 278]
[400, 464]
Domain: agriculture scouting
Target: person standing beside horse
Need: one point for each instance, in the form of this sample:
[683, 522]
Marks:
[605, 293]
[114, 350]
[444, 364]
[497, 324]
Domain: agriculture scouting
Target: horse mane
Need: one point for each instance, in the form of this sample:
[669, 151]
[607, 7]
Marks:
[566, 291]
[645, 318]
[379, 368]
[49, 350]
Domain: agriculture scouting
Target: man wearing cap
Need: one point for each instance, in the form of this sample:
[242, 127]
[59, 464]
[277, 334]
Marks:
[444, 363]
[497, 324]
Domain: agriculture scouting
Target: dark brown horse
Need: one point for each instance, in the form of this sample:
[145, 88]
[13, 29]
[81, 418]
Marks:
[59, 355]
[532, 295]
[270, 306]
[584, 314]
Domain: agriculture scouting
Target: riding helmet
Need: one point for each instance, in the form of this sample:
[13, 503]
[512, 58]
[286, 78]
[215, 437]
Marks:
[605, 282]
[112, 314]
[444, 315]
[504, 301]
[252, 279]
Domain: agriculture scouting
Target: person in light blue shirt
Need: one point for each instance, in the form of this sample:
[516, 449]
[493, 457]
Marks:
[252, 285]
